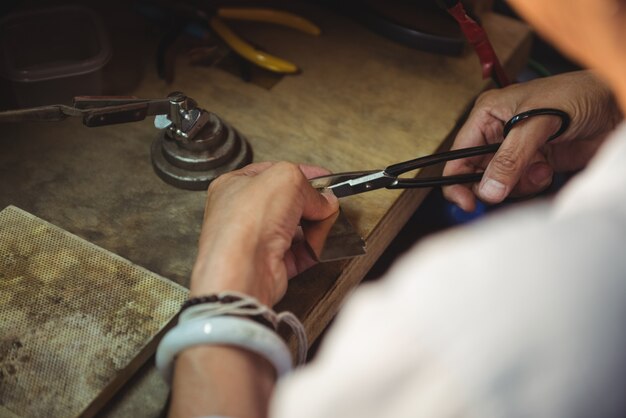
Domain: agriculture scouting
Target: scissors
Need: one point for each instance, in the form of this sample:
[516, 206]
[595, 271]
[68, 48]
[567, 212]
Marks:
[355, 182]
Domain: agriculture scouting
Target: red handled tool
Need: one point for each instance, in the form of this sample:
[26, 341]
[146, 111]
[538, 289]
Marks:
[477, 37]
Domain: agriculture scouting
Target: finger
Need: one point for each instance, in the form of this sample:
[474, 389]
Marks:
[573, 155]
[536, 178]
[254, 168]
[462, 196]
[514, 157]
[298, 259]
[482, 127]
[311, 171]
[287, 179]
[478, 130]
[317, 206]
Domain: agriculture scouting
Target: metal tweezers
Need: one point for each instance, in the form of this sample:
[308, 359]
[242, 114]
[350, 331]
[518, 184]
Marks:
[94, 110]
[355, 182]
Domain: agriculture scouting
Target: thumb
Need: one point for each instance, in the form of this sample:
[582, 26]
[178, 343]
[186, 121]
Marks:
[318, 206]
[513, 158]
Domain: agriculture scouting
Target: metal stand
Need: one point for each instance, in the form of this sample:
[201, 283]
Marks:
[195, 146]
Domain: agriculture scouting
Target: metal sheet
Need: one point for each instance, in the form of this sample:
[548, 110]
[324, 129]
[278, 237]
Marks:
[332, 239]
[75, 320]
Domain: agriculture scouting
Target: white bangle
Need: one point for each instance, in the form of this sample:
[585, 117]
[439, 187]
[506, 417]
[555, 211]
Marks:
[240, 304]
[223, 330]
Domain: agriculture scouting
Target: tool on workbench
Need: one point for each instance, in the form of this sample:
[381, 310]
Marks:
[208, 24]
[350, 183]
[246, 50]
[478, 39]
[417, 24]
[194, 146]
[94, 110]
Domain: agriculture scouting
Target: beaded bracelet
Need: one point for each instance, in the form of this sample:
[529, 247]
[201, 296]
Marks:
[214, 298]
[226, 298]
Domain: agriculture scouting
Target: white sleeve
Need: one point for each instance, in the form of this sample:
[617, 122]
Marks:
[518, 315]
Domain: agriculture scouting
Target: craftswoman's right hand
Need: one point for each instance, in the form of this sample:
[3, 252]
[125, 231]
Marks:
[251, 219]
[525, 163]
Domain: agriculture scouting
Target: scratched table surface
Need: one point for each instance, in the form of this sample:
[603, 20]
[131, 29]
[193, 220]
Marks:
[360, 102]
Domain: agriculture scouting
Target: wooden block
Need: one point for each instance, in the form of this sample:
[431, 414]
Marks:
[75, 320]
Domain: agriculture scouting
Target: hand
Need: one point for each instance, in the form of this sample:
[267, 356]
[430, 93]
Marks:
[251, 219]
[525, 163]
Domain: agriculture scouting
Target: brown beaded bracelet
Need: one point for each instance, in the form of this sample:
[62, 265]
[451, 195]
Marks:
[208, 299]
[198, 300]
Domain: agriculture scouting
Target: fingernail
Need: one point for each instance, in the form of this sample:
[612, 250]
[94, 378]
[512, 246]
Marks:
[492, 190]
[540, 174]
[329, 195]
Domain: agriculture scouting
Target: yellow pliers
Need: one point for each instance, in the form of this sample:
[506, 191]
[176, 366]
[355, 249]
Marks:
[247, 51]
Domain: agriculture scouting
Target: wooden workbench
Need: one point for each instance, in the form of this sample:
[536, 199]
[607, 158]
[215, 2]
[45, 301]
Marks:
[361, 102]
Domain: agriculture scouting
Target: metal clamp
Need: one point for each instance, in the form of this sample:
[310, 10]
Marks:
[195, 146]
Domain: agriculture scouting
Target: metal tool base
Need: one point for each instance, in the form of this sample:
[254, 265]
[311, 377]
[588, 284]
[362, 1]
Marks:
[194, 164]
[190, 179]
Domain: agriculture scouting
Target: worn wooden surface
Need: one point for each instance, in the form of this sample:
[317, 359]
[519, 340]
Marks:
[361, 102]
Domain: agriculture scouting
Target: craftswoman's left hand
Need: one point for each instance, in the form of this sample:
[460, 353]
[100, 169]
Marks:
[525, 163]
[251, 218]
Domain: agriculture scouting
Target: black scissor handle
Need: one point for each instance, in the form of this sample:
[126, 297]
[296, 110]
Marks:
[428, 160]
[423, 182]
[404, 167]
[565, 120]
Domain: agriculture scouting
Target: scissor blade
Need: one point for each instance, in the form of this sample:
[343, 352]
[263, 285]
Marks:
[347, 184]
[329, 180]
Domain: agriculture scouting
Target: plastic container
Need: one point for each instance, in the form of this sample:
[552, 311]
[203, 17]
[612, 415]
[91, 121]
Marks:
[51, 55]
